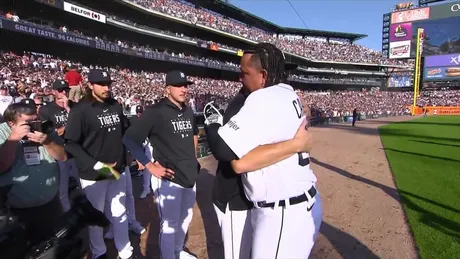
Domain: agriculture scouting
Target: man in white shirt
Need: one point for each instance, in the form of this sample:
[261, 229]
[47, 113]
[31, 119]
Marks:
[288, 212]
[5, 99]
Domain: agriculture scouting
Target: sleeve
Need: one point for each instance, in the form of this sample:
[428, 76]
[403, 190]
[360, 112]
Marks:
[218, 147]
[142, 127]
[196, 131]
[245, 131]
[43, 113]
[55, 138]
[75, 126]
[73, 138]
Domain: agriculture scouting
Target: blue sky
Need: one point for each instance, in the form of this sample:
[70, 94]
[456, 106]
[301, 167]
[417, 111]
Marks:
[356, 16]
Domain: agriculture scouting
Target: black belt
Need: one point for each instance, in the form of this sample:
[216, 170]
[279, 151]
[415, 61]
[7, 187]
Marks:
[292, 200]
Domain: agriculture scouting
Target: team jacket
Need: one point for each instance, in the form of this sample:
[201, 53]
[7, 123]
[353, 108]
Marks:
[228, 187]
[171, 132]
[94, 134]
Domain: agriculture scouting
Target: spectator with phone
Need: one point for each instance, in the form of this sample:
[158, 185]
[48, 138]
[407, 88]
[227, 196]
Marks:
[29, 151]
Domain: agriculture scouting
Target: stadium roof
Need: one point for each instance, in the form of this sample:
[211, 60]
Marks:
[256, 21]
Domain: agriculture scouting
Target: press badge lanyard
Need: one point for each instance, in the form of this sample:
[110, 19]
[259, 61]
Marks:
[31, 154]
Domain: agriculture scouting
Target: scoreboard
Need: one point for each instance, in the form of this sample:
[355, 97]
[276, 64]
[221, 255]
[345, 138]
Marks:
[441, 24]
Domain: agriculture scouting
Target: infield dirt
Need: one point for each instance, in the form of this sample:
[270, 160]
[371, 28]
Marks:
[362, 215]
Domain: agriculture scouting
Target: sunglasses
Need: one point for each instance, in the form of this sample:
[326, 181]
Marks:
[62, 90]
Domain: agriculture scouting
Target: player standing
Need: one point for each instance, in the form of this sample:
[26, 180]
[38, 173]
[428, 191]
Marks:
[58, 112]
[93, 135]
[287, 213]
[171, 128]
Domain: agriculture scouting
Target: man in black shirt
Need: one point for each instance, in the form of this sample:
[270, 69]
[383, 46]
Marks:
[171, 128]
[57, 112]
[93, 136]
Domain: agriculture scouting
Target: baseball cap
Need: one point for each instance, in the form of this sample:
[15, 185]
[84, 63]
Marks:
[60, 84]
[28, 102]
[99, 76]
[139, 109]
[3, 87]
[177, 78]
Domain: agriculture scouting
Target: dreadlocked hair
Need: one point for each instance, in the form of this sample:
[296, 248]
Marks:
[272, 60]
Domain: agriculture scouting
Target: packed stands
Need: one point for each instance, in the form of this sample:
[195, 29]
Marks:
[311, 48]
[33, 73]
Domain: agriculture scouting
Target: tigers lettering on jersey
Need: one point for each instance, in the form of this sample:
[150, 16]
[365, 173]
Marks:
[182, 126]
[109, 121]
[61, 118]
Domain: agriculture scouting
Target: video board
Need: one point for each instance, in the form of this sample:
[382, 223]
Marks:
[441, 24]
[442, 68]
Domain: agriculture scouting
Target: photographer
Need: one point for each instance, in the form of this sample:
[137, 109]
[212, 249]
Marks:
[29, 164]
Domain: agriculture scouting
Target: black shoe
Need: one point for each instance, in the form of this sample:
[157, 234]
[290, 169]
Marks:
[104, 256]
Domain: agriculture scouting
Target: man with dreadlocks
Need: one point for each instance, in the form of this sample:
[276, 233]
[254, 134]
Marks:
[287, 209]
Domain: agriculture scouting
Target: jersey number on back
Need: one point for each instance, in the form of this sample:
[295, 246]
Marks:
[304, 160]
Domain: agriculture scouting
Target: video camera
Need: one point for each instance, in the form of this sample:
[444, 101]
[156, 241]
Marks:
[62, 243]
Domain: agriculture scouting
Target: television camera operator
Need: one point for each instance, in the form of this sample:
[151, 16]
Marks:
[29, 149]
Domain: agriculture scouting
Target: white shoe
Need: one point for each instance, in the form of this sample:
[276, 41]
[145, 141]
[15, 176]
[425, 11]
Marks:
[185, 255]
[137, 228]
[144, 194]
[109, 234]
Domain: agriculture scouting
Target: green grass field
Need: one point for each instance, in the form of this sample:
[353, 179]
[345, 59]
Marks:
[424, 156]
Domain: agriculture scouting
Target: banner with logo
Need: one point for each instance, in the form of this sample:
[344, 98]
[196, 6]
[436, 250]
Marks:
[400, 32]
[411, 15]
[54, 34]
[400, 49]
[443, 60]
[441, 73]
[81, 11]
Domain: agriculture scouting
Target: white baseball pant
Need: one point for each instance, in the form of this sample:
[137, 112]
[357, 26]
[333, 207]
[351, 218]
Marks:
[175, 208]
[113, 191]
[129, 201]
[286, 232]
[67, 169]
[236, 230]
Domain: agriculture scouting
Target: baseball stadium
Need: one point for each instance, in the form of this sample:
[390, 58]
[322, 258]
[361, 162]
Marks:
[384, 125]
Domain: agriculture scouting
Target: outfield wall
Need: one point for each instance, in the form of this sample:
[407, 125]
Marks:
[438, 110]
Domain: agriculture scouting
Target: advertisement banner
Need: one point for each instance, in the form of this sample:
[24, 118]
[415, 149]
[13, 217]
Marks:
[441, 73]
[411, 15]
[400, 32]
[55, 34]
[445, 10]
[400, 49]
[443, 60]
[81, 11]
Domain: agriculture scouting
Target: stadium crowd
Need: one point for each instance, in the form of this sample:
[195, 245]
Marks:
[32, 74]
[312, 48]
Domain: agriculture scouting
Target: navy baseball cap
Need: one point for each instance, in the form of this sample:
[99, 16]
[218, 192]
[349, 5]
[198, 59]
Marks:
[60, 85]
[177, 78]
[3, 87]
[99, 76]
[29, 102]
